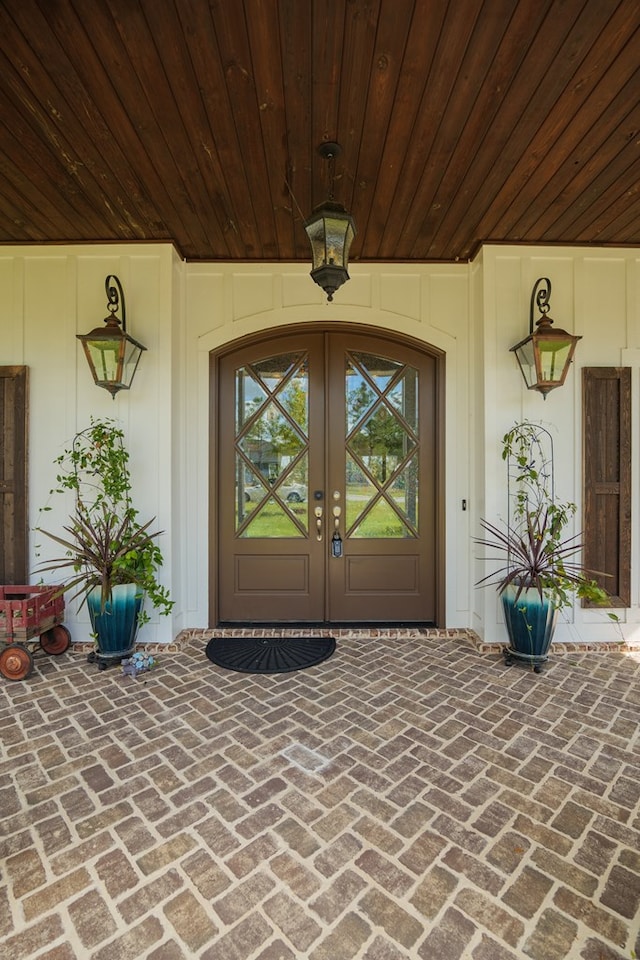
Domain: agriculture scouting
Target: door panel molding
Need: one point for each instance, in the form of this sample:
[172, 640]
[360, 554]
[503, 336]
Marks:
[282, 574]
[368, 574]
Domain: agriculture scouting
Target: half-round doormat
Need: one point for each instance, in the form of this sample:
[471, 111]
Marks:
[269, 654]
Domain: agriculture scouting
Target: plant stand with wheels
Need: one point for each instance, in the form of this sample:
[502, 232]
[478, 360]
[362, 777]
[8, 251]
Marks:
[511, 656]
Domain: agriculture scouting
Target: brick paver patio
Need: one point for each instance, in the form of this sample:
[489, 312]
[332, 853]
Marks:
[408, 798]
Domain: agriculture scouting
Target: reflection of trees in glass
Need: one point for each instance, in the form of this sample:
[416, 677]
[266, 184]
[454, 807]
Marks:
[282, 435]
[380, 438]
[254, 441]
[271, 435]
[411, 490]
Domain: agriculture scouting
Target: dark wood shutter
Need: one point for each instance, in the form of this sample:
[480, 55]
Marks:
[606, 399]
[13, 475]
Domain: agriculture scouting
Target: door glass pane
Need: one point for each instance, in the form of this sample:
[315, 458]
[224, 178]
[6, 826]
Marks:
[381, 443]
[404, 492]
[404, 397]
[359, 492]
[359, 399]
[273, 370]
[249, 486]
[294, 399]
[249, 396]
[381, 522]
[271, 438]
[271, 521]
[271, 447]
[382, 447]
[380, 369]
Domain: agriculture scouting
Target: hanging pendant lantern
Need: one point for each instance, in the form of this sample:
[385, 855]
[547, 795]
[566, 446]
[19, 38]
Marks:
[544, 357]
[112, 355]
[331, 231]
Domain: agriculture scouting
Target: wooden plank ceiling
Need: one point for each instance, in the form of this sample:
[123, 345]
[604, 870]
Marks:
[198, 122]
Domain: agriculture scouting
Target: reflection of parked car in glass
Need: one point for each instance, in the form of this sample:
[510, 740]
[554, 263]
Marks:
[293, 492]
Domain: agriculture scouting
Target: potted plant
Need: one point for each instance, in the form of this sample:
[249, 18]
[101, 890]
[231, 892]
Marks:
[111, 557]
[539, 572]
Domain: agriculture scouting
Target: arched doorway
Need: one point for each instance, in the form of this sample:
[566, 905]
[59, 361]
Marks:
[328, 480]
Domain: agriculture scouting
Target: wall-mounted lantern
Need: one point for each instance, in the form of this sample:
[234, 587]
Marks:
[112, 354]
[544, 356]
[330, 230]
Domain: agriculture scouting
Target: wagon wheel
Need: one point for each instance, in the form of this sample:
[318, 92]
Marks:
[55, 641]
[16, 662]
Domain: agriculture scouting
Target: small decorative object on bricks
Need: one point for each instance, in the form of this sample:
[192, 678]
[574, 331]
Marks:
[28, 613]
[138, 662]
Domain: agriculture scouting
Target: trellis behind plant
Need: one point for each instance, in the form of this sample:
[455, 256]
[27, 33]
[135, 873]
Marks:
[528, 451]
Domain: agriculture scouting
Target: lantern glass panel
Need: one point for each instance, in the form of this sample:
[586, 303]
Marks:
[339, 236]
[315, 232]
[105, 358]
[553, 356]
[330, 237]
[131, 357]
[527, 360]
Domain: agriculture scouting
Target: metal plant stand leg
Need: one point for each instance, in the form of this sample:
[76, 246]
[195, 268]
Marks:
[103, 660]
[511, 656]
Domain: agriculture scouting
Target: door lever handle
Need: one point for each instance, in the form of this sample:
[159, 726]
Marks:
[336, 539]
[318, 514]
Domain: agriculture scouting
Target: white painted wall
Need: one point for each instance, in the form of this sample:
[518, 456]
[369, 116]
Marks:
[595, 295]
[181, 311]
[47, 296]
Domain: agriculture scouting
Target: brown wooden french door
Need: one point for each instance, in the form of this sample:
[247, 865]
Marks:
[327, 467]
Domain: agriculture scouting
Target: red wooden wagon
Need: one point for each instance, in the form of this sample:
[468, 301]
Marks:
[27, 613]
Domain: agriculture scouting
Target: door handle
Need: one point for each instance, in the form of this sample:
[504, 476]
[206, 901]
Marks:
[318, 514]
[336, 539]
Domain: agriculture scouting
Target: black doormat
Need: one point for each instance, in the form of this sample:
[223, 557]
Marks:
[269, 654]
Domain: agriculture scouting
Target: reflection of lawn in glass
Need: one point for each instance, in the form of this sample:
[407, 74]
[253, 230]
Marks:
[376, 526]
[273, 522]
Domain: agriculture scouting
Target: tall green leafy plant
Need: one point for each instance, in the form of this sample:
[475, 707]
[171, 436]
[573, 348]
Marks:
[105, 541]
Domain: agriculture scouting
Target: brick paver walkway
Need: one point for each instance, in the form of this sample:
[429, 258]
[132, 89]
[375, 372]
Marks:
[408, 798]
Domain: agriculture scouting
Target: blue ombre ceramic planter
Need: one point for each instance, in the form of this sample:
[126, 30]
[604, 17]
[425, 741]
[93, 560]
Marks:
[530, 623]
[116, 625]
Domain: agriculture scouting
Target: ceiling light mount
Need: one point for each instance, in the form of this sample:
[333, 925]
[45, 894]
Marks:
[329, 149]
